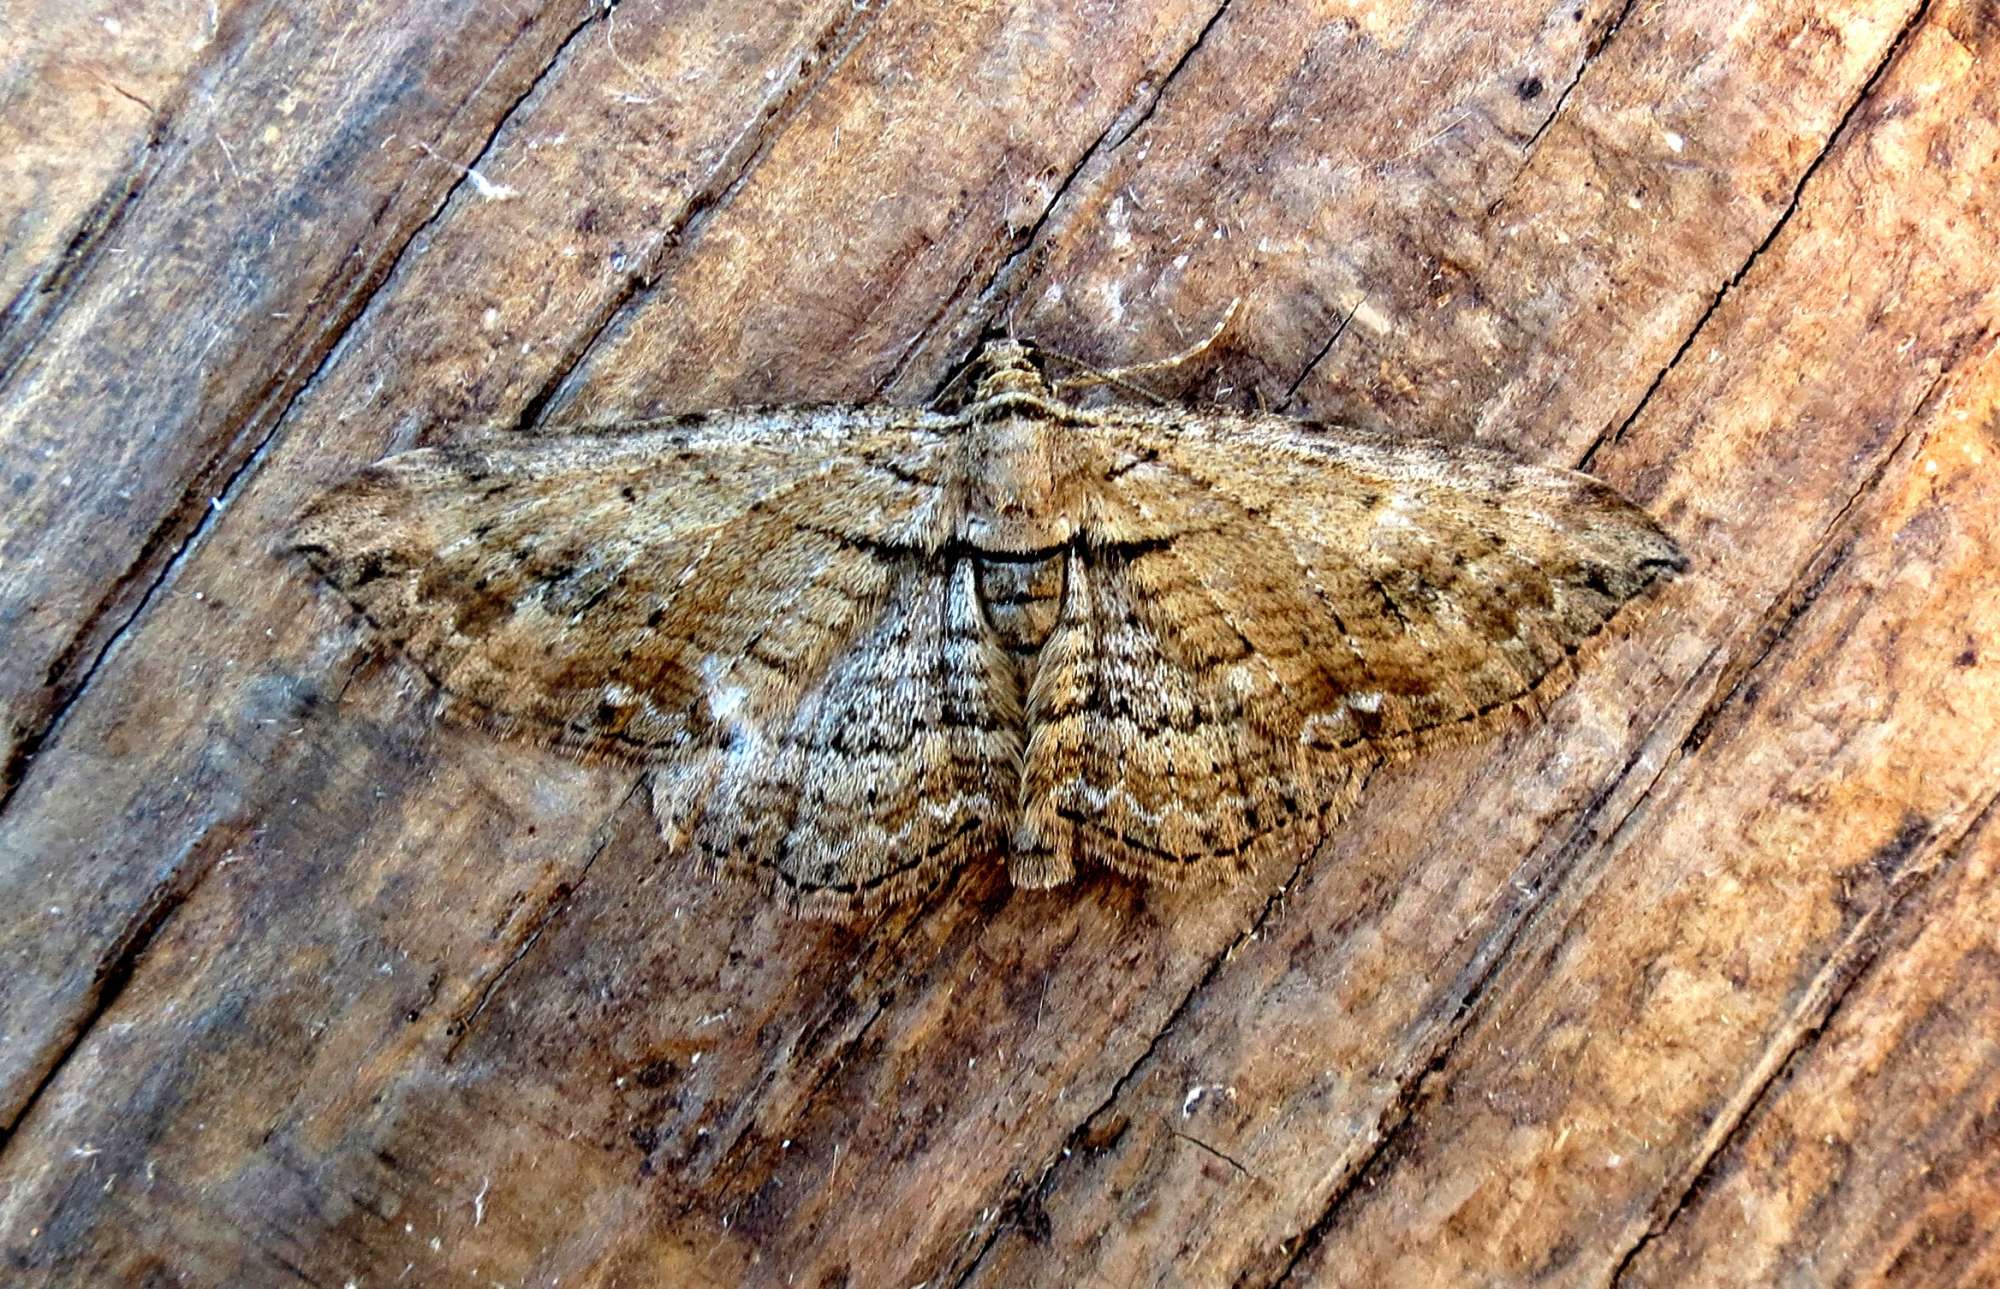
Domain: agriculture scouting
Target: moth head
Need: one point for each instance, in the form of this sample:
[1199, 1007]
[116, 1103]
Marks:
[1007, 367]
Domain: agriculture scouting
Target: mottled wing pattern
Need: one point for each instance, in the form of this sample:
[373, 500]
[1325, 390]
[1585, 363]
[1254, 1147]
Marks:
[1162, 724]
[1260, 610]
[784, 614]
[679, 594]
[897, 768]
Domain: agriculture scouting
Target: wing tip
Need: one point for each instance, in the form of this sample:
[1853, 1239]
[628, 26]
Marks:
[355, 532]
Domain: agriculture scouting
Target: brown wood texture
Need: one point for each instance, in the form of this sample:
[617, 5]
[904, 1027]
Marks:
[1695, 982]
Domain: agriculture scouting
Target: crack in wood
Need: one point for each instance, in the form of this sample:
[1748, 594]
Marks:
[1312, 364]
[359, 301]
[41, 300]
[1180, 64]
[1831, 551]
[461, 1027]
[1591, 51]
[1075, 1141]
[1834, 139]
[1847, 967]
[115, 970]
[1202, 1145]
[877, 1005]
[999, 286]
[725, 179]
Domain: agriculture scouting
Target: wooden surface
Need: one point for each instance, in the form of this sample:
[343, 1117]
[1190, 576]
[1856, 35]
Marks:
[1695, 983]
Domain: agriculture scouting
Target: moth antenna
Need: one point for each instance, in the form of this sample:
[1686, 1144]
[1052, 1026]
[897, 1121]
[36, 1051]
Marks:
[1117, 375]
[959, 374]
[1092, 376]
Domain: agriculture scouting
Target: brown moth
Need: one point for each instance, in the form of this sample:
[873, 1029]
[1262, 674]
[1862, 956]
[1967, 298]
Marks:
[858, 646]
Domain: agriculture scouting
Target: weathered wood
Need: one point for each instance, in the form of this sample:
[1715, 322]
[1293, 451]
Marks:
[151, 368]
[1870, 1158]
[354, 389]
[1848, 234]
[80, 91]
[1689, 984]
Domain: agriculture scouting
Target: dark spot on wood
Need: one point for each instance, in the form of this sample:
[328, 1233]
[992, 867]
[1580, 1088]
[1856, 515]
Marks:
[656, 1073]
[1529, 87]
[1025, 1214]
[1888, 859]
[1100, 1137]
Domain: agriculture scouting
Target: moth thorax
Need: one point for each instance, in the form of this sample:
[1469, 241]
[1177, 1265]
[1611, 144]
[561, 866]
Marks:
[1021, 598]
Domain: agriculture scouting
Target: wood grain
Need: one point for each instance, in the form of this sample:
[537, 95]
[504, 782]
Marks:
[305, 157]
[1688, 984]
[82, 88]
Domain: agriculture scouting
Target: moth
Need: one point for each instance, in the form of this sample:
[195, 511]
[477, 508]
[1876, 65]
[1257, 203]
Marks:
[856, 647]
